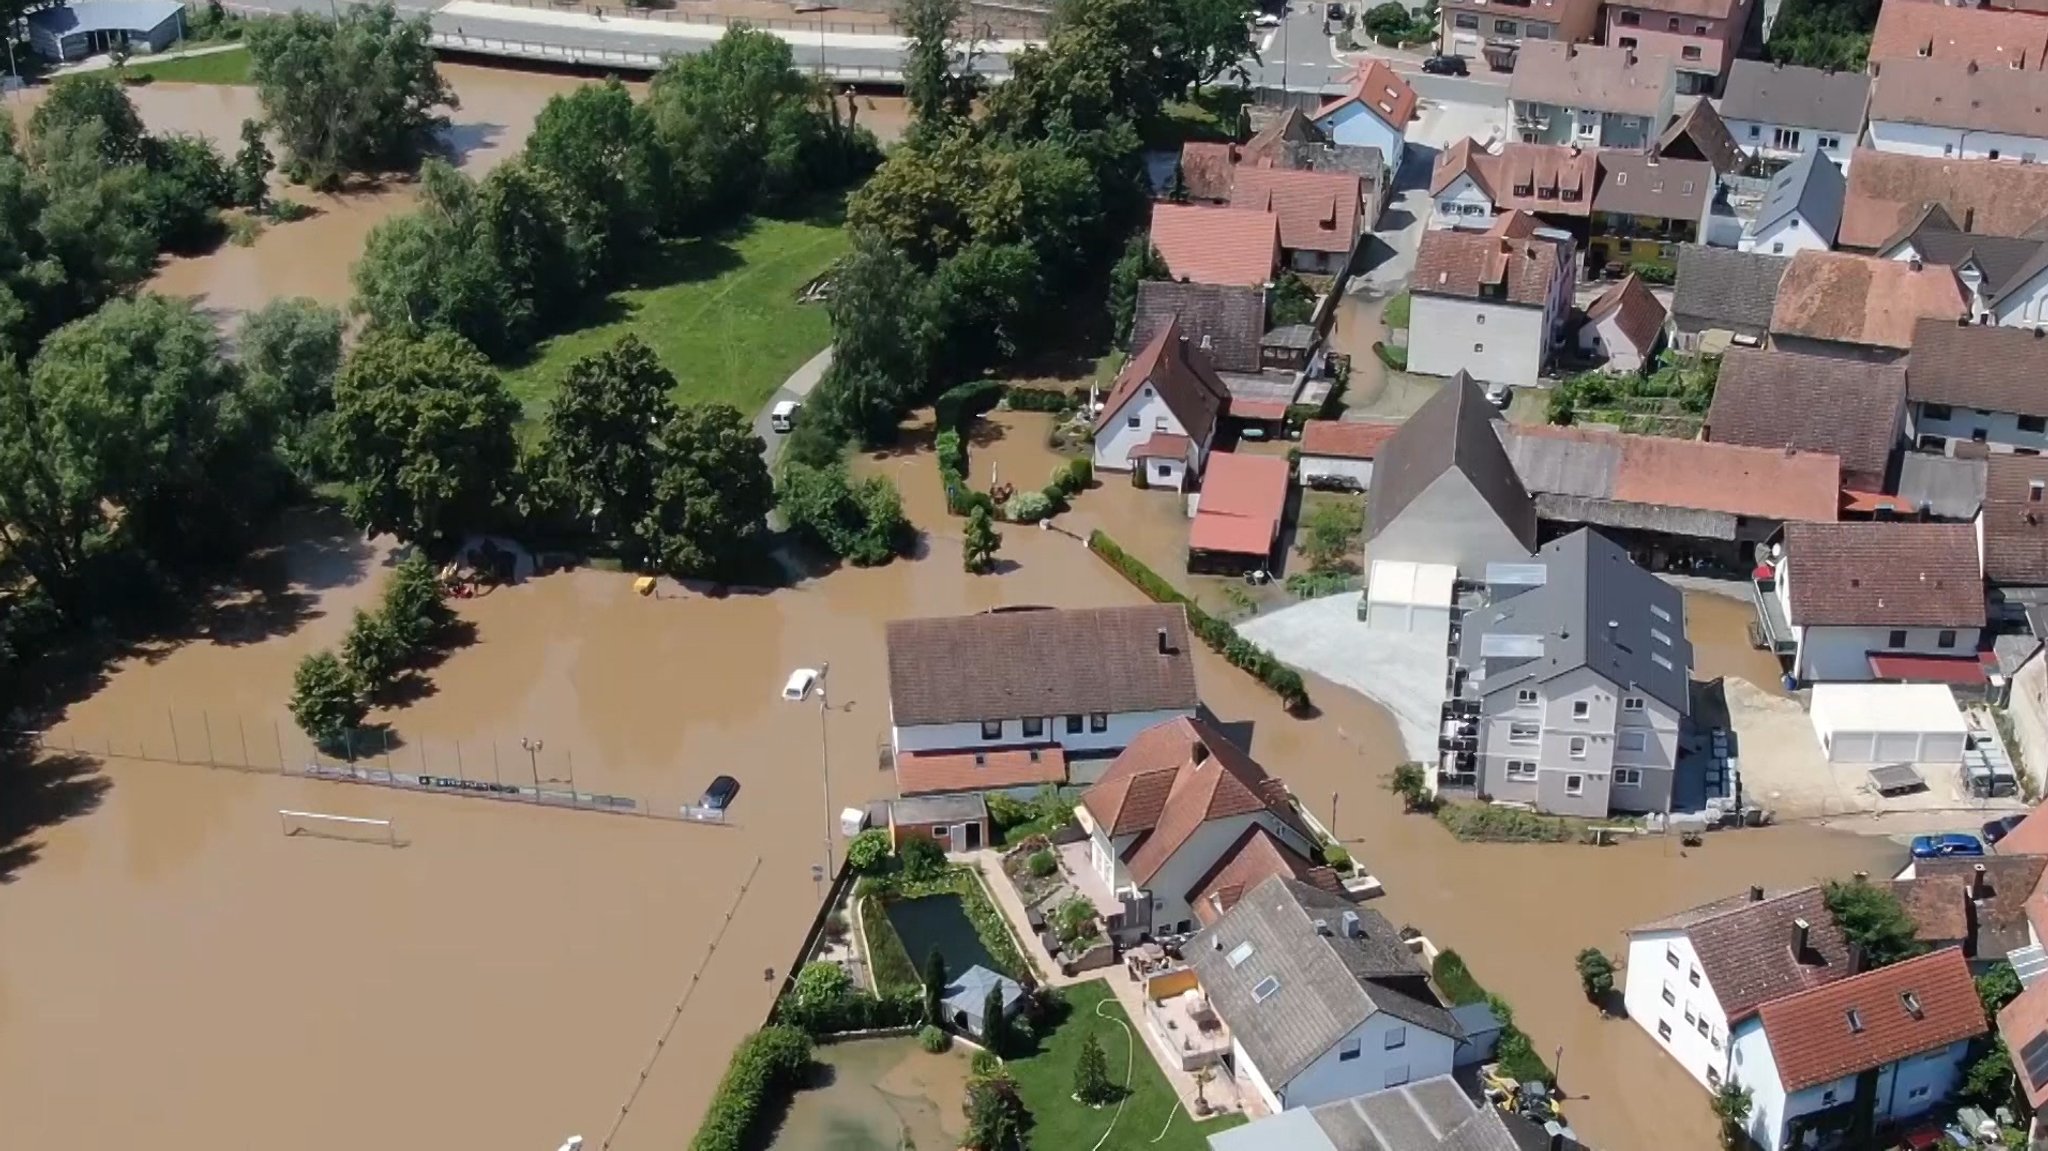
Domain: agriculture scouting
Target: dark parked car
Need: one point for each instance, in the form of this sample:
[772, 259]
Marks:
[720, 794]
[1998, 829]
[1444, 66]
[1945, 845]
[1334, 12]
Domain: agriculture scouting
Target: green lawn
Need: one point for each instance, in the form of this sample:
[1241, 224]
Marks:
[1396, 313]
[720, 312]
[1046, 1081]
[230, 67]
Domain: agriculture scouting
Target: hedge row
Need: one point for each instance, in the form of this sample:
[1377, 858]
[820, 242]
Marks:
[857, 1011]
[1038, 400]
[1222, 638]
[769, 1064]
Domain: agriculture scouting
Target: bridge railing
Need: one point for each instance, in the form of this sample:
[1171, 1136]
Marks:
[622, 57]
[680, 16]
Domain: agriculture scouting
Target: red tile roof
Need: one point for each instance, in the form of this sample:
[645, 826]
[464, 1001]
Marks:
[938, 772]
[1345, 439]
[1318, 210]
[1375, 84]
[1229, 246]
[1556, 179]
[1865, 300]
[1889, 190]
[1638, 313]
[1884, 574]
[1909, 1008]
[1956, 669]
[1243, 499]
[1183, 376]
[1704, 476]
[1468, 264]
[1162, 445]
[1907, 31]
[1744, 945]
[1207, 169]
[1257, 855]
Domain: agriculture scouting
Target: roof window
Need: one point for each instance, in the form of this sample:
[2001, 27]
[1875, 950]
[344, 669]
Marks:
[1855, 1022]
[1265, 988]
[1239, 954]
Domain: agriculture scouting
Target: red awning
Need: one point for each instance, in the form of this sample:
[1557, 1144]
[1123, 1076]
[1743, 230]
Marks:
[1963, 669]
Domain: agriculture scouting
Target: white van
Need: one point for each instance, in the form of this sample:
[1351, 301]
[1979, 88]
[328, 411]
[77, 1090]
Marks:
[783, 416]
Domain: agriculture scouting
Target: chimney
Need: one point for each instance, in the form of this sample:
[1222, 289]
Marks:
[1800, 931]
[1980, 883]
[1163, 649]
[1914, 264]
[1323, 928]
[1353, 929]
[1856, 959]
[1756, 894]
[1969, 218]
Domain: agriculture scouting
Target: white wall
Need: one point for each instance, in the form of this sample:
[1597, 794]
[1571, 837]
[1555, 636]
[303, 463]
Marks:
[1932, 1075]
[1963, 143]
[1842, 654]
[1499, 343]
[1449, 523]
[1170, 885]
[1666, 958]
[1113, 448]
[1375, 1067]
[2025, 306]
[1751, 1065]
[1462, 205]
[1317, 467]
[1166, 472]
[1791, 236]
[1757, 136]
[1606, 338]
[1123, 727]
[1248, 1073]
[2002, 430]
[1356, 123]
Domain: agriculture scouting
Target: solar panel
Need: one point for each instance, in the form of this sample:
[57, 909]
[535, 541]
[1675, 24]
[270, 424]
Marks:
[2034, 1056]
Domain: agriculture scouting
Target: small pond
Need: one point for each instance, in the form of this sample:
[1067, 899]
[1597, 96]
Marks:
[878, 1095]
[939, 921]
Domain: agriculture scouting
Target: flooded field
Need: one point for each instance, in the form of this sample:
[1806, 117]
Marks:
[878, 1095]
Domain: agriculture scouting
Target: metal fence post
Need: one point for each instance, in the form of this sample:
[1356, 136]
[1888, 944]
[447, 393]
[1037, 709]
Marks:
[176, 753]
[206, 721]
[243, 730]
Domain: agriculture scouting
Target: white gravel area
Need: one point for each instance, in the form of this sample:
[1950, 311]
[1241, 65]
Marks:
[1402, 673]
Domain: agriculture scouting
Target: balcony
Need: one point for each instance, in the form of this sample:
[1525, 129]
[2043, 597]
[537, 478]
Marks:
[1189, 1029]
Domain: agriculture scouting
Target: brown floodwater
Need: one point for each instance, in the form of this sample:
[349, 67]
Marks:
[878, 1095]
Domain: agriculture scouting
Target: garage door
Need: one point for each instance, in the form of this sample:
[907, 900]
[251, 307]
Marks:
[1852, 747]
[1898, 747]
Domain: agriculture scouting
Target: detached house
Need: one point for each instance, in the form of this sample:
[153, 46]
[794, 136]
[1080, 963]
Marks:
[1373, 112]
[1701, 36]
[1018, 699]
[1852, 602]
[1966, 111]
[1324, 1001]
[1624, 325]
[1780, 112]
[1491, 303]
[1161, 415]
[1960, 34]
[1773, 399]
[1577, 682]
[2012, 529]
[1234, 247]
[1724, 296]
[2005, 277]
[1319, 214]
[1646, 207]
[1598, 97]
[1469, 185]
[1802, 211]
[1889, 192]
[1970, 382]
[1226, 324]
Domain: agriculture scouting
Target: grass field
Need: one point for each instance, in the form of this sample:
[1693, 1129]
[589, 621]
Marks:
[721, 313]
[230, 67]
[1046, 1081]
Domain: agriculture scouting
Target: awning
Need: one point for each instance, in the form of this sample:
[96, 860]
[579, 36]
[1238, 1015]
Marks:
[1162, 445]
[1964, 669]
[1258, 409]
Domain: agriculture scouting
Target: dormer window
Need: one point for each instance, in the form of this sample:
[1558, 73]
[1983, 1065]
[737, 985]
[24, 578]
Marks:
[1855, 1022]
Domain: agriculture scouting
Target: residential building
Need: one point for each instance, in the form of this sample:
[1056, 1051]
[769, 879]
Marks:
[1256, 856]
[1491, 303]
[1340, 453]
[1788, 400]
[1853, 602]
[1724, 296]
[1860, 307]
[2012, 529]
[1645, 207]
[1237, 520]
[1692, 978]
[1497, 33]
[1958, 34]
[1967, 111]
[1887, 1044]
[1324, 1000]
[1940, 487]
[1781, 112]
[1889, 194]
[1161, 414]
[1207, 168]
[1208, 245]
[1224, 323]
[1318, 214]
[1700, 36]
[1802, 211]
[1468, 185]
[1288, 140]
[1578, 682]
[1597, 97]
[1373, 112]
[1444, 490]
[2006, 277]
[1168, 817]
[65, 32]
[1071, 684]
[1699, 133]
[2023, 1024]
[1429, 1115]
[1624, 325]
[1974, 382]
[1978, 905]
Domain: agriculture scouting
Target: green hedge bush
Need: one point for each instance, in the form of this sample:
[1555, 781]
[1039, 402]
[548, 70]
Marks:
[968, 401]
[1038, 400]
[769, 1064]
[1223, 639]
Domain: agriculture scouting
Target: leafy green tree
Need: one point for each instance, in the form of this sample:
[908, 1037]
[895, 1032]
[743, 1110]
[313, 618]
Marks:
[981, 542]
[529, 248]
[350, 94]
[188, 185]
[1596, 974]
[1998, 986]
[1732, 1103]
[878, 365]
[327, 702]
[1388, 23]
[994, 1024]
[415, 607]
[1092, 1084]
[90, 98]
[599, 146]
[373, 652]
[722, 114]
[882, 531]
[249, 172]
[1830, 34]
[861, 523]
[1871, 917]
[868, 852]
[1990, 1082]
[935, 988]
[92, 235]
[821, 989]
[422, 437]
[996, 1115]
[1411, 783]
[1291, 302]
[1207, 38]
[290, 352]
[920, 858]
[712, 493]
[976, 306]
[434, 269]
[936, 196]
[601, 429]
[1139, 263]
[940, 99]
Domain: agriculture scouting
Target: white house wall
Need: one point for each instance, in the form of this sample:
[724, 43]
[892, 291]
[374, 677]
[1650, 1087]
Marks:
[1498, 343]
[1602, 730]
[1651, 970]
[1325, 467]
[1462, 205]
[1422, 1054]
[1907, 1088]
[1791, 236]
[1123, 727]
[1751, 1065]
[2002, 431]
[1248, 1072]
[1758, 137]
[2025, 306]
[1842, 654]
[1605, 337]
[1357, 124]
[1954, 143]
[1113, 448]
[1170, 884]
[1449, 523]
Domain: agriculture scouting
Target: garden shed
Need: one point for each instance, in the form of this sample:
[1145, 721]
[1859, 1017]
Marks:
[1410, 597]
[1889, 723]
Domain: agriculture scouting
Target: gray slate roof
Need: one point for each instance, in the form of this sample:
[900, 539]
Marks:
[1328, 984]
[1795, 97]
[1948, 487]
[1452, 430]
[1226, 322]
[1720, 288]
[1593, 610]
[969, 991]
[1811, 186]
[2007, 263]
[1430, 1115]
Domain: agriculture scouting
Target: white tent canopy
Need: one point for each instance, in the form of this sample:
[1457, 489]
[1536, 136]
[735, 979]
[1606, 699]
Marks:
[1889, 723]
[1409, 597]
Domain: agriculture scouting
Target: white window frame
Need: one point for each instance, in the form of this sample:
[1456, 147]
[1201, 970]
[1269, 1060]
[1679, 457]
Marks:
[1575, 784]
[1351, 1049]
[1582, 709]
[1525, 733]
[1526, 697]
[1628, 777]
[1634, 702]
[1397, 1038]
[1577, 747]
[1521, 771]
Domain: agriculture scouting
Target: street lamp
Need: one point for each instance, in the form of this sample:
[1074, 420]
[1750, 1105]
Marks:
[532, 747]
[817, 684]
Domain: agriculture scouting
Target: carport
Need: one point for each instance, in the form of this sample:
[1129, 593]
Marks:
[1410, 597]
[1889, 723]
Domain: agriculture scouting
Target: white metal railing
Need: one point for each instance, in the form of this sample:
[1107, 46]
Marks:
[623, 57]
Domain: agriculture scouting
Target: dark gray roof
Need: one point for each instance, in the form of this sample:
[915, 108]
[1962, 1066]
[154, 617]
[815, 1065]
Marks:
[1453, 429]
[1796, 97]
[1635, 184]
[1224, 321]
[1428, 1115]
[1720, 288]
[1327, 985]
[1811, 186]
[1948, 487]
[1595, 609]
[939, 808]
[1297, 337]
[2006, 263]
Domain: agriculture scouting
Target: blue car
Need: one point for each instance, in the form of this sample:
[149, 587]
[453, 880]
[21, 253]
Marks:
[1943, 846]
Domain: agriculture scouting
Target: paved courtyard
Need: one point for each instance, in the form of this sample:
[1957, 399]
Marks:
[1402, 673]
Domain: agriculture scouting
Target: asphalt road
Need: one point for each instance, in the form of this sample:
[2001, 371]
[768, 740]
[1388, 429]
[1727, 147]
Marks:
[1298, 55]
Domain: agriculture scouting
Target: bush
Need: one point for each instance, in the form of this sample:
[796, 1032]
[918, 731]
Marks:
[933, 1040]
[1655, 273]
[1028, 507]
[868, 852]
[1391, 356]
[921, 858]
[768, 1064]
[1038, 400]
[1486, 823]
[1043, 864]
[1013, 821]
[1336, 858]
[1223, 639]
[986, 1065]
[1454, 980]
[955, 407]
[1075, 477]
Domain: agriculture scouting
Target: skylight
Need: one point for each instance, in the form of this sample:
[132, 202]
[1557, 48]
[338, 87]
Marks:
[1264, 988]
[1660, 613]
[1240, 953]
[1855, 1022]
[1658, 659]
[1660, 637]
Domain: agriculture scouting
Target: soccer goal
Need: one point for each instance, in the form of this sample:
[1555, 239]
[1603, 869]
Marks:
[354, 828]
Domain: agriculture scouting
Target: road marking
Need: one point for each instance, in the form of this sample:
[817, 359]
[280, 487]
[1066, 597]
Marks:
[1267, 42]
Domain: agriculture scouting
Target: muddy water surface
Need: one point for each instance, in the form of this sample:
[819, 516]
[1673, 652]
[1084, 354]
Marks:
[878, 1095]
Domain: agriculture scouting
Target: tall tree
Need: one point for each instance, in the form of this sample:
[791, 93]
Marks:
[422, 436]
[711, 494]
[994, 1024]
[940, 99]
[980, 543]
[432, 269]
[90, 98]
[529, 248]
[91, 227]
[250, 172]
[935, 988]
[327, 702]
[601, 432]
[1092, 1084]
[1139, 263]
[1871, 917]
[718, 115]
[188, 185]
[290, 351]
[878, 363]
[599, 145]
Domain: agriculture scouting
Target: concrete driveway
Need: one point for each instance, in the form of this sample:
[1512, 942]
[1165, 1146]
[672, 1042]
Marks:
[1402, 673]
